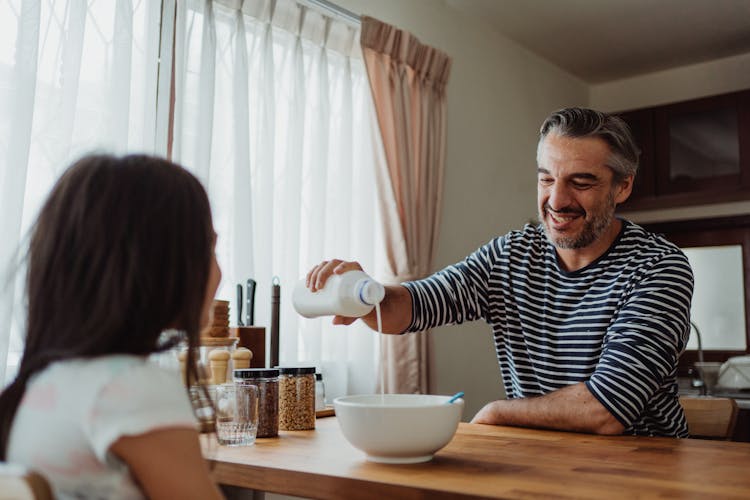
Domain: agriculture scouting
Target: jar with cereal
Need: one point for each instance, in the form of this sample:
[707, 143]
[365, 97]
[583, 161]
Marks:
[296, 398]
[267, 381]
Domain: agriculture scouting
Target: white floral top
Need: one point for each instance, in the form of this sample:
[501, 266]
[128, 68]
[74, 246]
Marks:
[75, 410]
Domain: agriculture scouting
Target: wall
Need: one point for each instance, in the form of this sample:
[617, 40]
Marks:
[680, 84]
[688, 82]
[498, 95]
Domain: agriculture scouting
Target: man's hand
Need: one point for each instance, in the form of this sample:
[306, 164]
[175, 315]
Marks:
[317, 276]
[395, 308]
[571, 408]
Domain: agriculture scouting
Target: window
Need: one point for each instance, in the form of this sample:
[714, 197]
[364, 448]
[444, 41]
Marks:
[718, 307]
[272, 111]
[74, 77]
[275, 116]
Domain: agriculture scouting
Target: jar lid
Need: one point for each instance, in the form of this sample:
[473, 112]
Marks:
[296, 370]
[318, 376]
[256, 373]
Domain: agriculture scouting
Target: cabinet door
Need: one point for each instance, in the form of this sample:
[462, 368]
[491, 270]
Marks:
[641, 123]
[698, 145]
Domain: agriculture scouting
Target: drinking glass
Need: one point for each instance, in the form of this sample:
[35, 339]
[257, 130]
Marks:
[236, 414]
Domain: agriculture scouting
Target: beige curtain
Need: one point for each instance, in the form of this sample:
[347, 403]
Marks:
[408, 82]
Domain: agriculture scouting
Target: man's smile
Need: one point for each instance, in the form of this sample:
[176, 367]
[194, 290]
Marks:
[562, 219]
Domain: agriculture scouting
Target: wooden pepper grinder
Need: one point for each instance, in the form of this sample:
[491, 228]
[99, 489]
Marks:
[241, 358]
[218, 360]
[202, 375]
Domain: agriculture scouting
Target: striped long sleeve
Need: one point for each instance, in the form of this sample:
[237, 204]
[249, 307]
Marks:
[618, 324]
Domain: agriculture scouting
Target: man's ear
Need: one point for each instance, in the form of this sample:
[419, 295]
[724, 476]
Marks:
[623, 189]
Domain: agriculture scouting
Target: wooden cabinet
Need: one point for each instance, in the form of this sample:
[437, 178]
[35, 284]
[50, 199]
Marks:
[641, 123]
[742, 427]
[693, 152]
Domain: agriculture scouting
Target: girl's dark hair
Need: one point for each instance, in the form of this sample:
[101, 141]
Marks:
[120, 252]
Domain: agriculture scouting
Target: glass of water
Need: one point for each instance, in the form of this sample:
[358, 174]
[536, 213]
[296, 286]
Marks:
[236, 414]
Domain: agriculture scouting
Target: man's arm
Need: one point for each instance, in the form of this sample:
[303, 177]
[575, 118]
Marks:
[571, 408]
[453, 295]
[641, 350]
[395, 308]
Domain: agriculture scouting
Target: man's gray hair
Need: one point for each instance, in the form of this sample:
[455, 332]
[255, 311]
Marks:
[582, 122]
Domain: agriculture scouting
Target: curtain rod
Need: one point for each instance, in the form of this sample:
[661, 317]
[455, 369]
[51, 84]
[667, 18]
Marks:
[333, 10]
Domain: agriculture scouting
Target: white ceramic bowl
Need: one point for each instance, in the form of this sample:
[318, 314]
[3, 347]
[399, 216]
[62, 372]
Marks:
[398, 428]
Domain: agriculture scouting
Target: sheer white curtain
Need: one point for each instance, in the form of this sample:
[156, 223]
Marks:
[74, 76]
[274, 113]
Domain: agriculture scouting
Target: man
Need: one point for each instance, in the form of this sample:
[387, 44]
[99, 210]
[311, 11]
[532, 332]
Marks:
[589, 312]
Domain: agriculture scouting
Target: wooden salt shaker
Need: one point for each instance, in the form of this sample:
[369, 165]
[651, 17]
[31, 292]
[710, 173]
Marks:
[218, 360]
[241, 358]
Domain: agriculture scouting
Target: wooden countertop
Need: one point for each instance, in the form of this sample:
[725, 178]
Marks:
[485, 461]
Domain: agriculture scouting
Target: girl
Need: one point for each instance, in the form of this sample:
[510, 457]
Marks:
[123, 249]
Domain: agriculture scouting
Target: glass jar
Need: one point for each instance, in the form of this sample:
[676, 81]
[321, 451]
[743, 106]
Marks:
[296, 398]
[201, 398]
[320, 392]
[267, 381]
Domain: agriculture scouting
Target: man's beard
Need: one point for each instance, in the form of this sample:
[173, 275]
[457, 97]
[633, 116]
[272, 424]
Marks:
[593, 228]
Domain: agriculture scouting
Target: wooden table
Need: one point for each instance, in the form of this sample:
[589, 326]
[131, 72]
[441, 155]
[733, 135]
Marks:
[485, 461]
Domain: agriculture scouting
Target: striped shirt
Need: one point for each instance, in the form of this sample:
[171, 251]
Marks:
[619, 324]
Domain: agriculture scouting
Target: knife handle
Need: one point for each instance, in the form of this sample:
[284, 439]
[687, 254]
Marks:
[250, 304]
[275, 304]
[239, 305]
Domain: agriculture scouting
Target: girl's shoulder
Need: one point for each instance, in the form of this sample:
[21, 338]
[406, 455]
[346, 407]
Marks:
[99, 368]
[87, 379]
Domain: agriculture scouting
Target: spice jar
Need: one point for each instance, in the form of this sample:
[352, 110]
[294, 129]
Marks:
[296, 398]
[320, 392]
[267, 381]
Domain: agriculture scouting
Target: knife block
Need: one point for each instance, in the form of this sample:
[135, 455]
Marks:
[254, 338]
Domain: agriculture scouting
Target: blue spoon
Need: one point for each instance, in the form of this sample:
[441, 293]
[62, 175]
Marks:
[455, 397]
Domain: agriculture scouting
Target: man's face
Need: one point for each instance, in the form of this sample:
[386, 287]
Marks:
[575, 193]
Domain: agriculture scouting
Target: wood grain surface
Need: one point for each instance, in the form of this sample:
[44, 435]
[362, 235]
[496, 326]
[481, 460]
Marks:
[485, 461]
[709, 416]
[328, 411]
